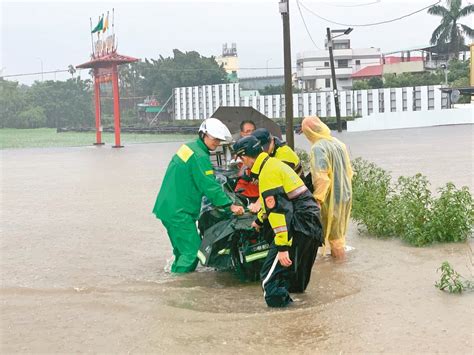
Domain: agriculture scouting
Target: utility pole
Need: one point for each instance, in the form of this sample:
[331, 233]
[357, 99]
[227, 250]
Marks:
[269, 59]
[334, 84]
[285, 15]
[41, 60]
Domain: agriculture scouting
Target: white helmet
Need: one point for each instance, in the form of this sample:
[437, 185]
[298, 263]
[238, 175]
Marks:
[216, 129]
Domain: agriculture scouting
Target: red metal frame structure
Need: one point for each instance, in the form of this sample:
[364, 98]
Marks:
[105, 70]
[104, 62]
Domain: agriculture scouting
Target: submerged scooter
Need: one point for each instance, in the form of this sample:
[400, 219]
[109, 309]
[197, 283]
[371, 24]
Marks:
[229, 242]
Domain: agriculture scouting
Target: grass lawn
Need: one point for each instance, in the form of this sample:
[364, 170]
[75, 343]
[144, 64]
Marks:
[47, 137]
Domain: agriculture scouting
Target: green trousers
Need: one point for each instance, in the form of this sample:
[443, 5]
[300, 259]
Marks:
[185, 241]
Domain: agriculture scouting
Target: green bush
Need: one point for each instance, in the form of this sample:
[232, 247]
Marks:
[408, 209]
[371, 194]
[452, 215]
[412, 208]
[361, 85]
[451, 281]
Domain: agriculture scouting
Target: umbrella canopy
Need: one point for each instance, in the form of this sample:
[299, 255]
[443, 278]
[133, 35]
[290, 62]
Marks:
[231, 116]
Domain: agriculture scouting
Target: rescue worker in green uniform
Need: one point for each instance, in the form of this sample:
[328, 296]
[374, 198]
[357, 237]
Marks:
[189, 177]
[293, 215]
[278, 149]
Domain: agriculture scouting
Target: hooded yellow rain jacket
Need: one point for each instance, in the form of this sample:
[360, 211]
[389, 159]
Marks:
[332, 180]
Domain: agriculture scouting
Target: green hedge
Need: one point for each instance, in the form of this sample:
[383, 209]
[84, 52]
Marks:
[408, 209]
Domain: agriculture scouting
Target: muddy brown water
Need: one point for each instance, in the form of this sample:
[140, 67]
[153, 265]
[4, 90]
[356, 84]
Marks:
[83, 264]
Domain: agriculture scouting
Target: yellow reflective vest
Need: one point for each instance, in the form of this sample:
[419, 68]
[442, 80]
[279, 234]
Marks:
[287, 155]
[279, 186]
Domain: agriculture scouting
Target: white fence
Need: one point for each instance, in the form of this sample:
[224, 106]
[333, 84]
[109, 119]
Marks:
[201, 101]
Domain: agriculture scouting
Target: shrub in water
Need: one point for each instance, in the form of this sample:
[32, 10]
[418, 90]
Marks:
[412, 207]
[408, 210]
[371, 196]
[451, 281]
[452, 215]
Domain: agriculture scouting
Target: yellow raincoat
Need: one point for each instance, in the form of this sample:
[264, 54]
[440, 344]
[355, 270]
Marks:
[332, 180]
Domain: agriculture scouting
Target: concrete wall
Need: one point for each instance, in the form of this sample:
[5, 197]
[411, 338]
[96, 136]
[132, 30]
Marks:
[407, 119]
[404, 67]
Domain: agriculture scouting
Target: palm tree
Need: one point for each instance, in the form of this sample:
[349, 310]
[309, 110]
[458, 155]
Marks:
[71, 70]
[450, 33]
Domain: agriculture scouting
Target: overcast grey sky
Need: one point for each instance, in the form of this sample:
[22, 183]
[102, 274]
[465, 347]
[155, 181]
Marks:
[58, 34]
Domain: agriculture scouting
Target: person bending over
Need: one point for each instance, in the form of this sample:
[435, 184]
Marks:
[189, 177]
[331, 173]
[293, 216]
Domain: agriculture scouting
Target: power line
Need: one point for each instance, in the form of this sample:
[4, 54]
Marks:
[184, 69]
[357, 5]
[304, 22]
[180, 70]
[38, 73]
[369, 24]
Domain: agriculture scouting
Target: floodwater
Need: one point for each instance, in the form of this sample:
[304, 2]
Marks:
[84, 264]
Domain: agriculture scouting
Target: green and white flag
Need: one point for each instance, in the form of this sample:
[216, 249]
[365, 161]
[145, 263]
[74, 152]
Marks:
[99, 26]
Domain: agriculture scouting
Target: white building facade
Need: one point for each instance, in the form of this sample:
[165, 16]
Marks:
[314, 68]
[200, 102]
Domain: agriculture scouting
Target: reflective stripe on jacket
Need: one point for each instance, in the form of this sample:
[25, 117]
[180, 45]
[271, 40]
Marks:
[189, 177]
[279, 185]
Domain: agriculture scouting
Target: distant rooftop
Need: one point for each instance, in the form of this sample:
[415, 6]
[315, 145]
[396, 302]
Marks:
[368, 72]
[426, 48]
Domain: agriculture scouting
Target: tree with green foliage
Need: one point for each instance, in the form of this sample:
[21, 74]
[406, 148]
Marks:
[12, 102]
[46, 104]
[450, 33]
[361, 85]
[33, 117]
[162, 75]
[412, 79]
[276, 90]
[458, 69]
[375, 82]
[64, 103]
[131, 79]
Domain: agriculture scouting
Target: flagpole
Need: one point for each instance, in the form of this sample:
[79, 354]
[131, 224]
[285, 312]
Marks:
[98, 32]
[113, 29]
[92, 38]
[113, 21]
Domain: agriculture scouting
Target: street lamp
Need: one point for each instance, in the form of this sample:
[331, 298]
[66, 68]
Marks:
[333, 74]
[41, 60]
[349, 30]
[267, 64]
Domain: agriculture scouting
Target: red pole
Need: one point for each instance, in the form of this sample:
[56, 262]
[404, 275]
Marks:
[98, 129]
[116, 106]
